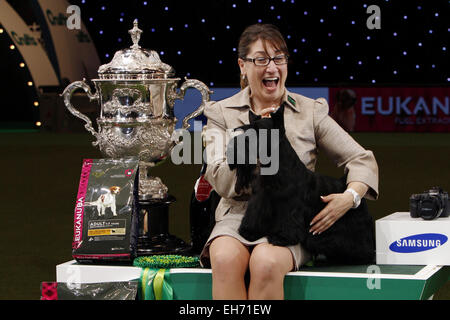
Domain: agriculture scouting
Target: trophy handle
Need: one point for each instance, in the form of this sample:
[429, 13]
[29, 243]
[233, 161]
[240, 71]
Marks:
[204, 90]
[67, 94]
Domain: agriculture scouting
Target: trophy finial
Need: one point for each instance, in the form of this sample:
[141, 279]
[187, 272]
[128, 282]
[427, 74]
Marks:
[135, 35]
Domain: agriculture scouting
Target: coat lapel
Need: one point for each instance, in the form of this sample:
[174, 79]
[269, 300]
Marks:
[243, 117]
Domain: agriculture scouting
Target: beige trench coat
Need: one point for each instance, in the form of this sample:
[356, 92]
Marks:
[309, 129]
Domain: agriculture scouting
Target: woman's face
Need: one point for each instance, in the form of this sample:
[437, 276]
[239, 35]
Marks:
[266, 82]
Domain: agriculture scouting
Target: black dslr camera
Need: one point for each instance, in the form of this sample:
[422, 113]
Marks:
[429, 205]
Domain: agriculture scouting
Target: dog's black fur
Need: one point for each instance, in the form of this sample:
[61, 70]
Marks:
[281, 206]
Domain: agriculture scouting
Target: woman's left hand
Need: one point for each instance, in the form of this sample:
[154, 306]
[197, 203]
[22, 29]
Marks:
[338, 205]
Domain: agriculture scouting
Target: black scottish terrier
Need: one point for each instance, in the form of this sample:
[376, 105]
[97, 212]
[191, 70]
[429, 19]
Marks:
[282, 205]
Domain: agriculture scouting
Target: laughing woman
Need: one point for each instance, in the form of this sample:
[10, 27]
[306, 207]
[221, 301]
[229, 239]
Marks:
[263, 58]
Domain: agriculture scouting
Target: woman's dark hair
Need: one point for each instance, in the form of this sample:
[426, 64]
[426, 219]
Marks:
[266, 32]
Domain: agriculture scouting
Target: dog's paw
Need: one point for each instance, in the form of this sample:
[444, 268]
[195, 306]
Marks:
[244, 175]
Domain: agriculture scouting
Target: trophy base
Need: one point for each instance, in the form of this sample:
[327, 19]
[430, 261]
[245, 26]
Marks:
[152, 188]
[162, 244]
[154, 237]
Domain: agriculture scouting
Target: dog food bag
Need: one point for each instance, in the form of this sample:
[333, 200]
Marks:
[105, 220]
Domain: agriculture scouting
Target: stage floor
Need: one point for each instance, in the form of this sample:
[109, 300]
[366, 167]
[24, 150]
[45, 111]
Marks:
[364, 282]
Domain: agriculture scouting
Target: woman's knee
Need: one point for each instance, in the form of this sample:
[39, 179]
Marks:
[267, 263]
[228, 256]
[264, 269]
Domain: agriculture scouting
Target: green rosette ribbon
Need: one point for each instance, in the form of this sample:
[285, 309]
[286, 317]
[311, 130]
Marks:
[155, 274]
[155, 284]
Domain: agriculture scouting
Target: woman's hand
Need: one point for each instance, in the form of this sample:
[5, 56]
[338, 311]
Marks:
[338, 205]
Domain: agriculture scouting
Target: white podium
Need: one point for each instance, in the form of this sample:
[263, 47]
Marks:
[401, 239]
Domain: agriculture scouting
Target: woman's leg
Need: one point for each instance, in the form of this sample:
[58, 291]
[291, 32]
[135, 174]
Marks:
[268, 267]
[229, 262]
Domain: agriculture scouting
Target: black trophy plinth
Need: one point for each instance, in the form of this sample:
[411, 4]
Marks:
[154, 237]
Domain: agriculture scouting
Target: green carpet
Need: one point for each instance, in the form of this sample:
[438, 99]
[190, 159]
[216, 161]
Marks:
[40, 181]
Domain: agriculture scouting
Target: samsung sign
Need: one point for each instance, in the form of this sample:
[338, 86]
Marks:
[418, 243]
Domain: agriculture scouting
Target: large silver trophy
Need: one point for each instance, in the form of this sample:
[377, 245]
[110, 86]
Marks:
[137, 92]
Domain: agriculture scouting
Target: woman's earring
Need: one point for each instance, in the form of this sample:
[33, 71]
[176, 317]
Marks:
[243, 77]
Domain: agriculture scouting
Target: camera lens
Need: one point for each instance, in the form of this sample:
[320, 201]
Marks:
[430, 208]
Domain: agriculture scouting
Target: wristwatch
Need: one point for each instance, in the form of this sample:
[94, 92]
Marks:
[356, 197]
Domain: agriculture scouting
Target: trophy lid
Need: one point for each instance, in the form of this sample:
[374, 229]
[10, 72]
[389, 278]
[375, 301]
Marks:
[135, 63]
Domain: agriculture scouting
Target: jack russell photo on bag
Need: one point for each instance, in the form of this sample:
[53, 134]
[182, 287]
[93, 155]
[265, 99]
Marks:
[105, 217]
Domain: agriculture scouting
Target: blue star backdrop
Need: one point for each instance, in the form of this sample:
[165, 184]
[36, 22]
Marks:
[329, 41]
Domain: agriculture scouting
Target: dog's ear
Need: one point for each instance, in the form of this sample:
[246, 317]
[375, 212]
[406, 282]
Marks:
[278, 117]
[253, 117]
